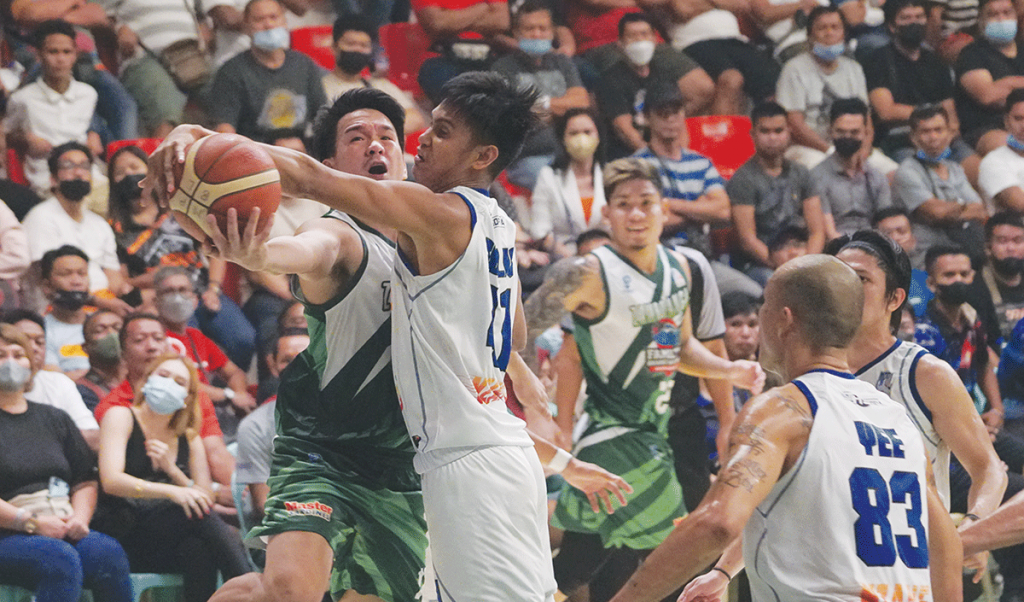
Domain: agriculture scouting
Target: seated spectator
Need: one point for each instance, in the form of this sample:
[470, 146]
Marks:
[1003, 270]
[943, 206]
[987, 70]
[1011, 380]
[596, 23]
[293, 316]
[709, 32]
[769, 193]
[1001, 175]
[354, 39]
[148, 237]
[778, 21]
[158, 495]
[14, 256]
[54, 109]
[569, 194]
[554, 76]
[894, 222]
[175, 304]
[624, 85]
[742, 333]
[951, 27]
[865, 22]
[851, 189]
[65, 277]
[903, 75]
[103, 349]
[48, 496]
[143, 338]
[788, 243]
[270, 86]
[62, 220]
[50, 387]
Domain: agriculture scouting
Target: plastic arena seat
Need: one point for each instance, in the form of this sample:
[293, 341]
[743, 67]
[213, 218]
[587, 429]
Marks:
[10, 593]
[161, 587]
[406, 46]
[725, 139]
[148, 145]
[316, 42]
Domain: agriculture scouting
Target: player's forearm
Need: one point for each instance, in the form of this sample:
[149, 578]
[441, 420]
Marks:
[710, 207]
[945, 553]
[987, 488]
[291, 255]
[696, 360]
[1004, 527]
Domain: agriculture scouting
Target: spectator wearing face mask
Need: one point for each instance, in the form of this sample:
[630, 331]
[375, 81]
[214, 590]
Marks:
[1003, 271]
[65, 277]
[101, 345]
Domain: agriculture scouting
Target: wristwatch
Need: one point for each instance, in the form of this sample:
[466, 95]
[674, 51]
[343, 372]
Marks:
[229, 394]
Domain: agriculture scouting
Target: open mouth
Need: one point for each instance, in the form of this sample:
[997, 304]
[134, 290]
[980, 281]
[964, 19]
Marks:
[378, 169]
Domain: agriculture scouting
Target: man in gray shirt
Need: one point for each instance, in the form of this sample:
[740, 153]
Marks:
[944, 209]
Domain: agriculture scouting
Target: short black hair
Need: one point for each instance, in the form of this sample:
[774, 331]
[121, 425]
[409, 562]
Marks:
[738, 303]
[325, 127]
[847, 106]
[122, 336]
[884, 214]
[663, 97]
[634, 18]
[50, 257]
[891, 9]
[497, 111]
[275, 343]
[768, 108]
[353, 22]
[1002, 218]
[13, 316]
[591, 234]
[787, 235]
[937, 251]
[925, 112]
[819, 11]
[92, 317]
[891, 258]
[51, 27]
[59, 150]
[528, 7]
[1015, 96]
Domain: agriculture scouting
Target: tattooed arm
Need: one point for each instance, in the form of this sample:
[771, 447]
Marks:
[766, 441]
[571, 285]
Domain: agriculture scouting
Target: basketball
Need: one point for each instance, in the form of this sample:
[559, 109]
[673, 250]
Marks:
[220, 172]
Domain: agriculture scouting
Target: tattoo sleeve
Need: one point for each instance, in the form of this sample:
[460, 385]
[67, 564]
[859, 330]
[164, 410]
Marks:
[546, 306]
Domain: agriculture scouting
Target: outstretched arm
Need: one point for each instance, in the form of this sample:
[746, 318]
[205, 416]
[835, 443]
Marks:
[596, 482]
[1002, 528]
[571, 285]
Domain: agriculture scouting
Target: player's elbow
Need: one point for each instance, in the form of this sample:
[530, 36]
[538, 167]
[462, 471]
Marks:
[716, 526]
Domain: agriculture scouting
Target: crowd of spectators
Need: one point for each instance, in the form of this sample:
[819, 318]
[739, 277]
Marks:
[904, 116]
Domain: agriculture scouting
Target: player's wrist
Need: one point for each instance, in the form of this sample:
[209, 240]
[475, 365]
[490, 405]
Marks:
[560, 461]
[728, 577]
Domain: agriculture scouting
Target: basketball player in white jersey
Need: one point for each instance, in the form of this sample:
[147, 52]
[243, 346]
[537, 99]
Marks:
[456, 320]
[827, 478]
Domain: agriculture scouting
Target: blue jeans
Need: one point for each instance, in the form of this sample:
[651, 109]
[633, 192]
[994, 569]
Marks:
[230, 329]
[56, 570]
[116, 107]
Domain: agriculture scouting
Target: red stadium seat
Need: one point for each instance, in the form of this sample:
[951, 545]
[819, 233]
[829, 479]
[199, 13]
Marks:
[316, 42]
[725, 139]
[406, 46]
[148, 145]
[15, 168]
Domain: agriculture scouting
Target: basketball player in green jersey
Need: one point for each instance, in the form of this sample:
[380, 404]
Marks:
[630, 304]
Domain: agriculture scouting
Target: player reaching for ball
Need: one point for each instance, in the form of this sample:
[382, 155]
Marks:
[344, 269]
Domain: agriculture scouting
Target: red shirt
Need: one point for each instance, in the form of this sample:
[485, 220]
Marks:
[124, 395]
[418, 5]
[200, 349]
[594, 27]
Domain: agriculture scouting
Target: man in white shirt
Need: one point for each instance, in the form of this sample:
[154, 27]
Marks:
[55, 108]
[1001, 175]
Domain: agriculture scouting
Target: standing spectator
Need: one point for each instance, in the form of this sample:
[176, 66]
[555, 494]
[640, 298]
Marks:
[1001, 175]
[769, 192]
[44, 459]
[987, 70]
[850, 188]
[54, 109]
[270, 87]
[894, 222]
[1003, 271]
[14, 256]
[103, 349]
[943, 206]
[65, 277]
[553, 75]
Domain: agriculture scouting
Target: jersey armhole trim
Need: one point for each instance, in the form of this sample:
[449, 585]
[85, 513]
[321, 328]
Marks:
[472, 210]
[813, 403]
[878, 359]
[913, 386]
[350, 285]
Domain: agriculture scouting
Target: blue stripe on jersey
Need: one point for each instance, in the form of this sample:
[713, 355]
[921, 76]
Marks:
[845, 375]
[884, 355]
[913, 387]
[472, 209]
[810, 397]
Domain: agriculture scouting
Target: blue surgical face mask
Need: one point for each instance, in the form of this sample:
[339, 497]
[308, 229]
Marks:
[923, 156]
[533, 46]
[271, 39]
[1015, 144]
[1001, 32]
[163, 395]
[828, 53]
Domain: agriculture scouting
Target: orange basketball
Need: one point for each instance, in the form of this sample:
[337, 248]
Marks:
[220, 172]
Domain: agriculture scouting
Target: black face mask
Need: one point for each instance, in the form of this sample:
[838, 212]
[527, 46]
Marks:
[353, 62]
[74, 190]
[846, 147]
[128, 188]
[910, 35]
[70, 300]
[1010, 266]
[955, 293]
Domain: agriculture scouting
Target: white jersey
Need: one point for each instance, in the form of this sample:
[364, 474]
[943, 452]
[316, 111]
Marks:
[848, 521]
[895, 374]
[451, 342]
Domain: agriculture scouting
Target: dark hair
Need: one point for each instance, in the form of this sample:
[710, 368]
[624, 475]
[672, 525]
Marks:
[119, 208]
[982, 4]
[738, 303]
[250, 3]
[1002, 218]
[787, 235]
[937, 251]
[769, 108]
[634, 18]
[272, 136]
[591, 234]
[275, 343]
[93, 316]
[353, 22]
[884, 214]
[926, 112]
[663, 97]
[325, 128]
[50, 257]
[562, 159]
[13, 316]
[891, 9]
[847, 106]
[122, 336]
[59, 151]
[496, 111]
[891, 259]
[527, 7]
[819, 11]
[280, 317]
[52, 27]
[1015, 96]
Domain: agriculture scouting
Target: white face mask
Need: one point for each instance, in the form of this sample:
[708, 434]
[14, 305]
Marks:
[640, 53]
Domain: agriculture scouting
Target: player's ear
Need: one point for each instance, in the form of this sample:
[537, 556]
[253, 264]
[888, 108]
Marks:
[485, 156]
[329, 162]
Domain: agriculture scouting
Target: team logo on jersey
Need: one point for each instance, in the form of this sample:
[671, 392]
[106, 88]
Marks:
[489, 390]
[627, 281]
[669, 308]
[663, 352]
[887, 592]
[884, 382]
[309, 509]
